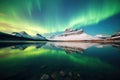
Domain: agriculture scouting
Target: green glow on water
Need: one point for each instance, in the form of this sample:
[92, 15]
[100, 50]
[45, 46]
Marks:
[8, 54]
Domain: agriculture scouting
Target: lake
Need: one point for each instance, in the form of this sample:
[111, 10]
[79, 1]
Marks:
[59, 61]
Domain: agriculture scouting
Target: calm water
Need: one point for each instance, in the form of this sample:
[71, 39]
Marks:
[59, 61]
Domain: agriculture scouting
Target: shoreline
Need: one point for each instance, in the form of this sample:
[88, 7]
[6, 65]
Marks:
[84, 41]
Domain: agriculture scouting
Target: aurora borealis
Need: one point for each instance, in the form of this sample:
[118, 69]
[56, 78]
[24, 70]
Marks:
[46, 16]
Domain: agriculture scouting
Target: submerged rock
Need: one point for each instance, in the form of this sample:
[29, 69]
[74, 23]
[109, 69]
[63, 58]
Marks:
[45, 77]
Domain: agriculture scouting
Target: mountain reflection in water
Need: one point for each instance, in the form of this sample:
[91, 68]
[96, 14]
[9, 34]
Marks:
[59, 61]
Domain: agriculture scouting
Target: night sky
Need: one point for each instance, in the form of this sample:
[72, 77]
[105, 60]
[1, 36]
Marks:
[47, 16]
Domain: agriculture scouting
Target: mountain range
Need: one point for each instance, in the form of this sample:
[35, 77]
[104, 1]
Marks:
[16, 36]
[80, 35]
[67, 35]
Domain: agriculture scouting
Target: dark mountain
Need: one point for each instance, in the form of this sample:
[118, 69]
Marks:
[39, 36]
[116, 34]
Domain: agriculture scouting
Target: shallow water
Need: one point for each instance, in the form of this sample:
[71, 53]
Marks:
[59, 61]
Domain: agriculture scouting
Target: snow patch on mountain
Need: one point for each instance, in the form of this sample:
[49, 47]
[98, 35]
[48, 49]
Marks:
[21, 34]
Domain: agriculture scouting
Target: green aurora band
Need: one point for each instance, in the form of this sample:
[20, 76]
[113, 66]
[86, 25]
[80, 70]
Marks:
[45, 16]
[95, 13]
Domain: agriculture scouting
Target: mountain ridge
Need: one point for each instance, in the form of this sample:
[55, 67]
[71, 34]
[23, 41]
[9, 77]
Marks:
[23, 36]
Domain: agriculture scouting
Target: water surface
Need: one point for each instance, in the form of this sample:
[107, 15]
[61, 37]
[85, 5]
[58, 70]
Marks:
[59, 61]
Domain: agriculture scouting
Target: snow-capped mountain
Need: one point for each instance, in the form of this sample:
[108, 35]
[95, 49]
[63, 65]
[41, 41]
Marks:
[16, 34]
[25, 35]
[21, 34]
[12, 37]
[74, 35]
[102, 36]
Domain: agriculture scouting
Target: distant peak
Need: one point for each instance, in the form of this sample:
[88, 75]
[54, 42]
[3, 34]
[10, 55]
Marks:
[14, 32]
[68, 30]
[23, 32]
[38, 34]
